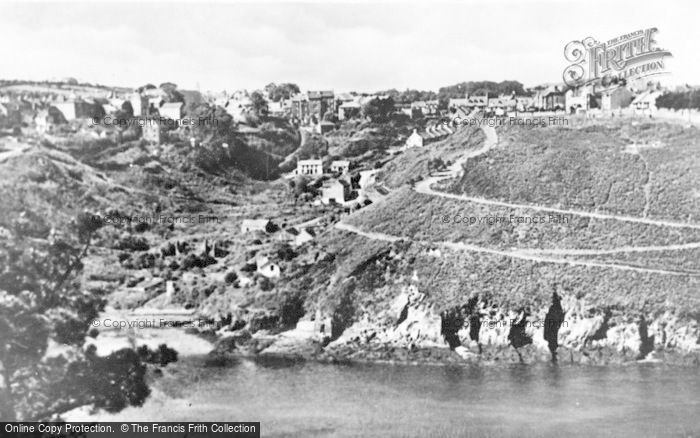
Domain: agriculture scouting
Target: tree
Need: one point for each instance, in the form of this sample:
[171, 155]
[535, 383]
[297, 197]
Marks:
[378, 109]
[171, 92]
[41, 300]
[330, 116]
[210, 122]
[282, 91]
[259, 103]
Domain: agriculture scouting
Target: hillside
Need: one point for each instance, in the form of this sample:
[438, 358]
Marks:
[626, 273]
[639, 169]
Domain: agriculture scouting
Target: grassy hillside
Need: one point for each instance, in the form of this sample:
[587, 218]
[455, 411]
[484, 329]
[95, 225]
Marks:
[374, 272]
[432, 218]
[639, 169]
[413, 163]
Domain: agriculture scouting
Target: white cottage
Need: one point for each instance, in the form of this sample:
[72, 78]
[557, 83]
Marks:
[414, 140]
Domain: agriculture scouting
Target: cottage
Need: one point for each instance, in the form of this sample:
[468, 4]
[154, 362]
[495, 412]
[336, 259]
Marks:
[616, 98]
[333, 191]
[296, 236]
[645, 103]
[554, 99]
[414, 140]
[340, 166]
[499, 105]
[524, 103]
[43, 122]
[581, 98]
[305, 235]
[309, 167]
[422, 108]
[325, 127]
[266, 268]
[139, 104]
[171, 110]
[348, 110]
[252, 225]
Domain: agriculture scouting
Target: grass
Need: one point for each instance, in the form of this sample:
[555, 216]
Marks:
[592, 168]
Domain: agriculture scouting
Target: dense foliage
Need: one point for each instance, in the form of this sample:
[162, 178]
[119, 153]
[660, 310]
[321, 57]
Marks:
[45, 315]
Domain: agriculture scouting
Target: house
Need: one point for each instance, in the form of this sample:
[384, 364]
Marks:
[108, 108]
[499, 105]
[423, 108]
[414, 140]
[309, 167]
[333, 191]
[581, 98]
[171, 110]
[305, 235]
[348, 110]
[43, 122]
[645, 103]
[459, 106]
[325, 127]
[310, 107]
[297, 236]
[320, 102]
[68, 109]
[266, 268]
[79, 109]
[276, 109]
[616, 98]
[554, 99]
[340, 166]
[523, 103]
[139, 104]
[252, 225]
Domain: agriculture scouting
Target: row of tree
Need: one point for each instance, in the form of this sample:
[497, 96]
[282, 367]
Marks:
[680, 100]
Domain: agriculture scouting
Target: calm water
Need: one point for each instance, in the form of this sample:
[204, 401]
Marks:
[314, 400]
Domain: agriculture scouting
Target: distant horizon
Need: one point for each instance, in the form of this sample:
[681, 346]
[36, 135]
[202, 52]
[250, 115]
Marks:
[302, 88]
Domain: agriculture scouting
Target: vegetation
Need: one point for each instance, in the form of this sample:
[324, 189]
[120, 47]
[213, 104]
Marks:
[42, 303]
[614, 169]
[283, 91]
[679, 100]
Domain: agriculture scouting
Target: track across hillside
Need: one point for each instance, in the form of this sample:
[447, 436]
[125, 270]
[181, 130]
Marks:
[536, 255]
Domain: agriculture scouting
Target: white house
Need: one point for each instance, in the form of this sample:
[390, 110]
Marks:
[266, 268]
[645, 103]
[414, 140]
[340, 166]
[305, 235]
[250, 225]
[309, 167]
[333, 191]
[67, 109]
[171, 110]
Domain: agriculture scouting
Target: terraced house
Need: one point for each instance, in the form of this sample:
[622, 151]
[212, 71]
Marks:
[311, 106]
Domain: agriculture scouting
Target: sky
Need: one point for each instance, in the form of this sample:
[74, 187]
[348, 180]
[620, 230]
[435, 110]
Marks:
[358, 46]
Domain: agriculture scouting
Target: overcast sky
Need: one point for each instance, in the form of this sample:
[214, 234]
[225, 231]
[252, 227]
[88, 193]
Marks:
[340, 46]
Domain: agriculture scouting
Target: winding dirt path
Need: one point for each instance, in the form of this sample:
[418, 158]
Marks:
[534, 255]
[517, 254]
[491, 142]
